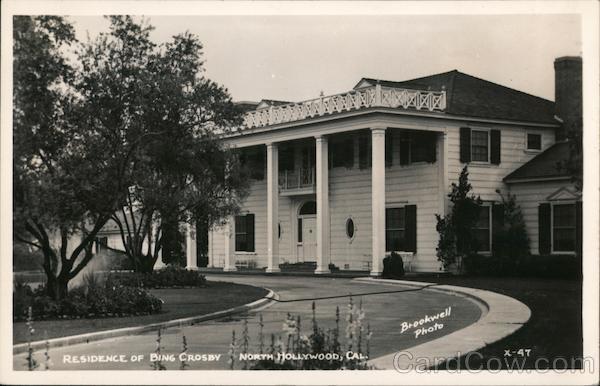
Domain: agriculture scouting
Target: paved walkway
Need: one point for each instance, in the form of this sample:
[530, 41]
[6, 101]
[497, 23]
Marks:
[384, 311]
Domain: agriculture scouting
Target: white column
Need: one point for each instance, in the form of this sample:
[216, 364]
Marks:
[230, 246]
[443, 185]
[378, 198]
[323, 242]
[190, 249]
[272, 208]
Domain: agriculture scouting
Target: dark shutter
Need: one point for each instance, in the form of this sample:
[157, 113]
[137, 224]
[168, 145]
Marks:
[404, 151]
[465, 144]
[578, 228]
[349, 153]
[495, 147]
[497, 222]
[410, 223]
[431, 146]
[389, 146]
[250, 232]
[544, 228]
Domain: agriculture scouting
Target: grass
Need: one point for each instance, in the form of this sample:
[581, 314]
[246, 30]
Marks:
[554, 330]
[179, 303]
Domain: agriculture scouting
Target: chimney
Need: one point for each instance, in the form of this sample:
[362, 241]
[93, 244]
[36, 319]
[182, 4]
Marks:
[568, 94]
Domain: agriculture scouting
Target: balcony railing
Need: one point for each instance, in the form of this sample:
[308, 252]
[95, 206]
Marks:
[297, 179]
[374, 96]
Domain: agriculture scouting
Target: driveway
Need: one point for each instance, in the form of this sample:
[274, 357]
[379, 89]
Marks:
[385, 313]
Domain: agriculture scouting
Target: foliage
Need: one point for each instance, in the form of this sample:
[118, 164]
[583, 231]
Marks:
[456, 242]
[393, 267]
[91, 300]
[321, 350]
[68, 175]
[169, 277]
[182, 172]
[544, 266]
[511, 243]
[574, 164]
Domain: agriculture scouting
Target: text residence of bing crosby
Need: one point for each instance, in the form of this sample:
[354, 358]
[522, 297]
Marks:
[343, 180]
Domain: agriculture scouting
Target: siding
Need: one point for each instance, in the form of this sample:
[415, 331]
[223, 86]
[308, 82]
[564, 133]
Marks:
[416, 184]
[529, 195]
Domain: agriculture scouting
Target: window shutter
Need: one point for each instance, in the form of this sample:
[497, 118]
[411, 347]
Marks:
[465, 144]
[389, 146]
[432, 146]
[404, 152]
[544, 228]
[495, 147]
[250, 232]
[410, 213]
[349, 153]
[578, 228]
[497, 222]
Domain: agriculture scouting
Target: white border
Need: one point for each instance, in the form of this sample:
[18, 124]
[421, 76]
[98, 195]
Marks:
[588, 10]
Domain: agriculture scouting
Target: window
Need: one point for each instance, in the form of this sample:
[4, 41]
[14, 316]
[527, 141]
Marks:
[482, 230]
[254, 159]
[244, 233]
[480, 146]
[350, 228]
[423, 147]
[364, 151]
[101, 243]
[534, 141]
[563, 227]
[342, 153]
[286, 158]
[395, 229]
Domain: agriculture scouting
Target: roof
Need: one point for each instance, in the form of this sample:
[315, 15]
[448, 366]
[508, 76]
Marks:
[467, 95]
[544, 165]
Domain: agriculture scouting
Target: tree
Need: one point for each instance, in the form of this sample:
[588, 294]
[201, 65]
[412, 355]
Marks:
[66, 183]
[182, 172]
[574, 164]
[455, 229]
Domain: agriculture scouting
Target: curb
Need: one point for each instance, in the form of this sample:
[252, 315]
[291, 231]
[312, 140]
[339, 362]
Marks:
[501, 316]
[264, 302]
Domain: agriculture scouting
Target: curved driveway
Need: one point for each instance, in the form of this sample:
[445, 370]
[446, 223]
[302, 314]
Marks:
[384, 311]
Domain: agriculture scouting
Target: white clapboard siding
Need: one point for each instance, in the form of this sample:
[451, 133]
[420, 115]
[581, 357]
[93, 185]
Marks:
[529, 196]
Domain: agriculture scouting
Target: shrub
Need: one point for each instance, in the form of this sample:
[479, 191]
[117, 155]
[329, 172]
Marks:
[545, 266]
[84, 302]
[168, 277]
[393, 267]
[456, 241]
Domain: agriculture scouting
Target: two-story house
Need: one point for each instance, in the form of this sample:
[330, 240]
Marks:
[345, 179]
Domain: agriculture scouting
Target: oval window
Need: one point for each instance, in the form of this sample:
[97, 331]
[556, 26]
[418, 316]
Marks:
[350, 228]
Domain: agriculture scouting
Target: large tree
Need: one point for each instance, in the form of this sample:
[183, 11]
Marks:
[67, 179]
[182, 171]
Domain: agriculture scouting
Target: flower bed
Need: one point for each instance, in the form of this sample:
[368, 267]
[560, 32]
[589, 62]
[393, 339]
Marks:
[87, 301]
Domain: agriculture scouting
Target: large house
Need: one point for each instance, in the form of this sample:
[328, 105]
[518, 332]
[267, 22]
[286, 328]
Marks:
[342, 180]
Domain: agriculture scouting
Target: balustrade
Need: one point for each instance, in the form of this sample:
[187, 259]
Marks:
[374, 96]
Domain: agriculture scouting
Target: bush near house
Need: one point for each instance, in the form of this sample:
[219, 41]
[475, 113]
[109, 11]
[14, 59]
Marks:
[171, 276]
[393, 266]
[90, 300]
[542, 266]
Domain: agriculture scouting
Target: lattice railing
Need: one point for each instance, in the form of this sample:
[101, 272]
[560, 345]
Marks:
[374, 96]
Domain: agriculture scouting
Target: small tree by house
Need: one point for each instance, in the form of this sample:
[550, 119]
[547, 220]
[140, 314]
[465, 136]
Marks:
[456, 240]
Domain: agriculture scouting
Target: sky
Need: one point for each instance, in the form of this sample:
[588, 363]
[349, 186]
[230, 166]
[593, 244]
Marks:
[295, 58]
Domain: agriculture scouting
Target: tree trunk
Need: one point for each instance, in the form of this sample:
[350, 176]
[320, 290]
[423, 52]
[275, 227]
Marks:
[57, 287]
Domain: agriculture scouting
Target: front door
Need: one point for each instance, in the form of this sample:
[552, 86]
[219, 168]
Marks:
[307, 239]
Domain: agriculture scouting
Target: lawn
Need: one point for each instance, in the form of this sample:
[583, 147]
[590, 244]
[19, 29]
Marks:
[179, 303]
[554, 330]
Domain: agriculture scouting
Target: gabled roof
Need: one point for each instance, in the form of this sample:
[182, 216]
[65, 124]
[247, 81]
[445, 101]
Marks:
[271, 102]
[467, 95]
[543, 166]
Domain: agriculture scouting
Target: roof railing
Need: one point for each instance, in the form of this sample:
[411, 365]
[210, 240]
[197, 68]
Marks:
[373, 96]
